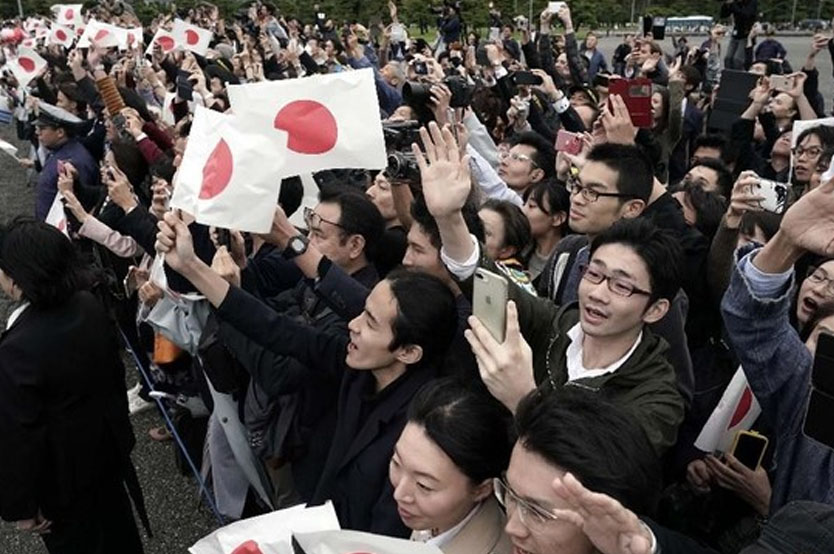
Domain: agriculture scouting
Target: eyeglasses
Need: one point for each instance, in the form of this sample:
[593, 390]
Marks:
[314, 220]
[812, 152]
[533, 517]
[817, 276]
[575, 186]
[617, 285]
[516, 157]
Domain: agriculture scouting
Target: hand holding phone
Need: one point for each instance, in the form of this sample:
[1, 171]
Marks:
[749, 448]
[569, 143]
[489, 302]
[775, 195]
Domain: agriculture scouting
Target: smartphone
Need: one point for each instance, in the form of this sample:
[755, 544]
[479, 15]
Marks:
[489, 302]
[749, 448]
[781, 82]
[526, 78]
[775, 196]
[820, 411]
[421, 68]
[481, 57]
[637, 95]
[224, 238]
[185, 90]
[658, 28]
[569, 143]
[600, 80]
[554, 7]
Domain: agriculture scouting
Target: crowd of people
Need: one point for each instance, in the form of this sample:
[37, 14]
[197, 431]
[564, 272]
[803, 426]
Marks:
[343, 356]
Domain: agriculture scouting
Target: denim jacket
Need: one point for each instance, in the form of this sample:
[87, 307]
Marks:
[778, 367]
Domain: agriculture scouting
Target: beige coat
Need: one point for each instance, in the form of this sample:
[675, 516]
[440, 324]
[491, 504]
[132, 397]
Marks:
[483, 534]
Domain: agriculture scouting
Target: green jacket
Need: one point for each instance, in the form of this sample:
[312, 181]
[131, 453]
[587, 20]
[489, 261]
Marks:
[645, 384]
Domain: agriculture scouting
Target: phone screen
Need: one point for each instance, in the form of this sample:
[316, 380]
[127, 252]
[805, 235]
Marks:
[749, 449]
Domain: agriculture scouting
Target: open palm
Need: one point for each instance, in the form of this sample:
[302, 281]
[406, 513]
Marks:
[444, 173]
[809, 224]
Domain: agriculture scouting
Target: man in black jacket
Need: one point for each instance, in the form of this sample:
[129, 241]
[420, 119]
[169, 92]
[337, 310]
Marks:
[406, 326]
[744, 16]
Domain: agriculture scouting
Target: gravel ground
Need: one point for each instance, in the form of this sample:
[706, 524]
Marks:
[178, 519]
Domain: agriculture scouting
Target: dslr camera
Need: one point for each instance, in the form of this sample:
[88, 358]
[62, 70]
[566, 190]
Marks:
[399, 136]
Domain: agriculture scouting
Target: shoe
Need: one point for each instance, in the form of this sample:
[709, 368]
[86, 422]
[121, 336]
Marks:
[138, 405]
[160, 434]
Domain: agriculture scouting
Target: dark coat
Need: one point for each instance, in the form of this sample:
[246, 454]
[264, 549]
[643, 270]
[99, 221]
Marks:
[64, 423]
[355, 476]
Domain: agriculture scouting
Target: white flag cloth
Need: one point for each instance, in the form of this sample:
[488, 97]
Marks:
[736, 411]
[68, 14]
[104, 35]
[323, 122]
[228, 176]
[26, 66]
[350, 542]
[56, 216]
[166, 42]
[8, 148]
[192, 37]
[61, 34]
[129, 37]
[269, 533]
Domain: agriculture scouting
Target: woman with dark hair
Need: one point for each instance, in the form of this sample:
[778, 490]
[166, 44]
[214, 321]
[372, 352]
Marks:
[506, 235]
[455, 443]
[65, 437]
[546, 205]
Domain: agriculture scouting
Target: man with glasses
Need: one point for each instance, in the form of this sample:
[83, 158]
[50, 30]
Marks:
[572, 430]
[528, 161]
[601, 344]
[810, 145]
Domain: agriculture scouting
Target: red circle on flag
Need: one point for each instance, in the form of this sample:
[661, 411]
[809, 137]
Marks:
[79, 31]
[744, 405]
[248, 547]
[69, 13]
[130, 38]
[191, 37]
[27, 64]
[101, 34]
[60, 35]
[217, 172]
[311, 126]
[166, 43]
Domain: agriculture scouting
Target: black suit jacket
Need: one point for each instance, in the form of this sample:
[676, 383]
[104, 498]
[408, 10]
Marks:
[63, 410]
[355, 476]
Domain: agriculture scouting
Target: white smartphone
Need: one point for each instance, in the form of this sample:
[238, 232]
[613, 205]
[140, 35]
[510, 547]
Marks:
[781, 82]
[489, 302]
[554, 7]
[775, 196]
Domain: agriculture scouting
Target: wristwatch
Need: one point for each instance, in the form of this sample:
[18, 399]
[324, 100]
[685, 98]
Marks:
[296, 247]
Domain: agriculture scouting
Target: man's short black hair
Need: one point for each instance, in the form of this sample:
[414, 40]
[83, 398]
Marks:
[359, 216]
[600, 443]
[711, 140]
[427, 313]
[823, 132]
[635, 175]
[544, 156]
[421, 215]
[657, 248]
[725, 177]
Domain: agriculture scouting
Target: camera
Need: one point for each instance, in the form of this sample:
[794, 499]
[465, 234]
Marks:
[399, 136]
[419, 94]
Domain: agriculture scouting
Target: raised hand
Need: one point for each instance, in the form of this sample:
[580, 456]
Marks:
[743, 199]
[752, 486]
[225, 266]
[174, 242]
[506, 368]
[610, 526]
[617, 121]
[809, 224]
[443, 171]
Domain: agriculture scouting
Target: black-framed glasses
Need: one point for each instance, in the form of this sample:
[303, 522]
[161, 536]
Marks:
[817, 276]
[314, 220]
[617, 285]
[575, 186]
[813, 151]
[532, 516]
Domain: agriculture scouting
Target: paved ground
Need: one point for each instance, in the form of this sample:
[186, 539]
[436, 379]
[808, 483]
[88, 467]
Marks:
[177, 517]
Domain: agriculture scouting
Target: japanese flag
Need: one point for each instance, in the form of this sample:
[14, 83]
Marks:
[56, 216]
[103, 34]
[165, 40]
[323, 122]
[29, 42]
[229, 176]
[62, 35]
[350, 542]
[68, 14]
[130, 38]
[736, 411]
[269, 533]
[27, 65]
[192, 37]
